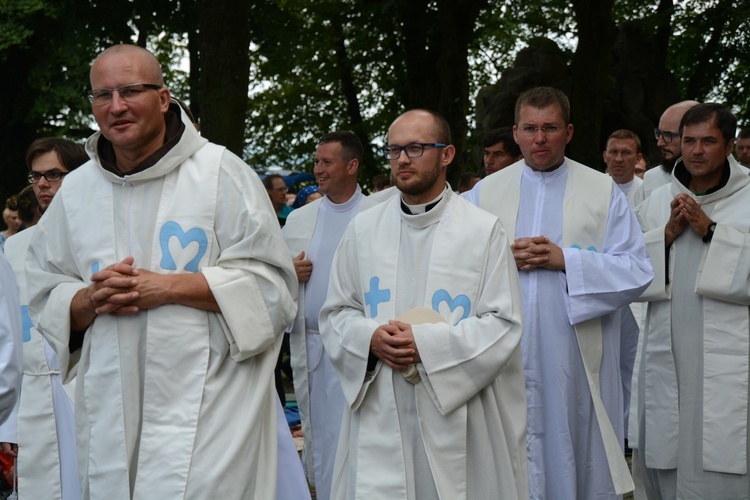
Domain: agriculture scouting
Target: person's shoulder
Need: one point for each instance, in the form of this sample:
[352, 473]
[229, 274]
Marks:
[377, 204]
[20, 240]
[302, 216]
[655, 177]
[471, 216]
[583, 169]
[376, 198]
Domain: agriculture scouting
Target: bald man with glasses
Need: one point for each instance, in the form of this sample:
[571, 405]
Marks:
[161, 276]
[668, 142]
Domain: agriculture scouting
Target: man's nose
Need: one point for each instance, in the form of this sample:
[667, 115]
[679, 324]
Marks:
[117, 103]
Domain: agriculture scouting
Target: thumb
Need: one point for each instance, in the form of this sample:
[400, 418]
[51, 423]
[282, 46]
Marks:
[301, 256]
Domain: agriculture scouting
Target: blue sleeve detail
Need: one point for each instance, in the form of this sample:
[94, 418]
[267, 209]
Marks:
[26, 323]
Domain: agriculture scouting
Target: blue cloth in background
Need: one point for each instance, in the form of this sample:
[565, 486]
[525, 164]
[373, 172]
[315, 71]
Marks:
[292, 415]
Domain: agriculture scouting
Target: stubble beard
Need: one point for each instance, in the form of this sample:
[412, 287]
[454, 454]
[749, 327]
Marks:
[419, 186]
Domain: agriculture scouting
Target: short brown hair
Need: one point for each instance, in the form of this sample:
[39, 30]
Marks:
[625, 134]
[543, 97]
[71, 154]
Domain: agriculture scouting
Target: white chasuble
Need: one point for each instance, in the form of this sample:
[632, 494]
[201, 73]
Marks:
[469, 363]
[606, 267]
[171, 402]
[173, 381]
[693, 402]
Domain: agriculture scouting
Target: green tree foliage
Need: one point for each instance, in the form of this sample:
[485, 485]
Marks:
[318, 65]
[710, 52]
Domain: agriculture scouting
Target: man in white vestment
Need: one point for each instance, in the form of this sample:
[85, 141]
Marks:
[742, 148]
[621, 154]
[42, 425]
[159, 273]
[11, 356]
[667, 140]
[422, 323]
[581, 258]
[312, 233]
[693, 376]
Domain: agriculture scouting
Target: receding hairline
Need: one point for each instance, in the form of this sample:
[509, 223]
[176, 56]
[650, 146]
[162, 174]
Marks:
[440, 127]
[140, 52]
[679, 108]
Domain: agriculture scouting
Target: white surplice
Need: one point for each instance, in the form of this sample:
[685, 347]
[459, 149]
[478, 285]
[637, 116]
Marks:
[11, 355]
[171, 402]
[42, 423]
[693, 377]
[653, 178]
[567, 454]
[460, 431]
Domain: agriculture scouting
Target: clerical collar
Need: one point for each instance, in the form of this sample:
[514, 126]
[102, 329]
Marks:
[175, 128]
[347, 205]
[682, 175]
[420, 209]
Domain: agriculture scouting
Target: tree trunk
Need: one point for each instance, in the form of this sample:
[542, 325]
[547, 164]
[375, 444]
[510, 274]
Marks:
[225, 68]
[590, 69]
[457, 19]
[353, 108]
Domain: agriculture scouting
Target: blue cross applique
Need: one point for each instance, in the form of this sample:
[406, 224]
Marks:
[375, 296]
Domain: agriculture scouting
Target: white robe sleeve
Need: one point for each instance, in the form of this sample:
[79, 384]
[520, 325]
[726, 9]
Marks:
[345, 329]
[253, 280]
[460, 361]
[52, 279]
[660, 288]
[651, 215]
[726, 271]
[598, 283]
[11, 354]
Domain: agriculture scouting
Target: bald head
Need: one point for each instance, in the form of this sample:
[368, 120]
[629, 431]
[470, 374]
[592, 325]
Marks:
[131, 112]
[141, 59]
[669, 140]
[440, 130]
[675, 112]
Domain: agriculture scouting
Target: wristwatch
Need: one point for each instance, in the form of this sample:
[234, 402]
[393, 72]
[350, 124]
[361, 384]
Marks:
[709, 233]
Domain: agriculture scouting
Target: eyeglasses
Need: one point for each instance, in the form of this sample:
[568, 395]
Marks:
[51, 176]
[548, 130]
[667, 136]
[413, 150]
[127, 93]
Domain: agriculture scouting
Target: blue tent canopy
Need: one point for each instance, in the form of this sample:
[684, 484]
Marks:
[291, 177]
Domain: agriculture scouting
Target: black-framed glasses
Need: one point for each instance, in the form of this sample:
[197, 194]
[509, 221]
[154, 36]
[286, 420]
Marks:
[127, 92]
[51, 176]
[667, 136]
[413, 150]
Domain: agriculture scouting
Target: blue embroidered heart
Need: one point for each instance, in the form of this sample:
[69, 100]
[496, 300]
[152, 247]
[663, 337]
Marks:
[459, 301]
[171, 229]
